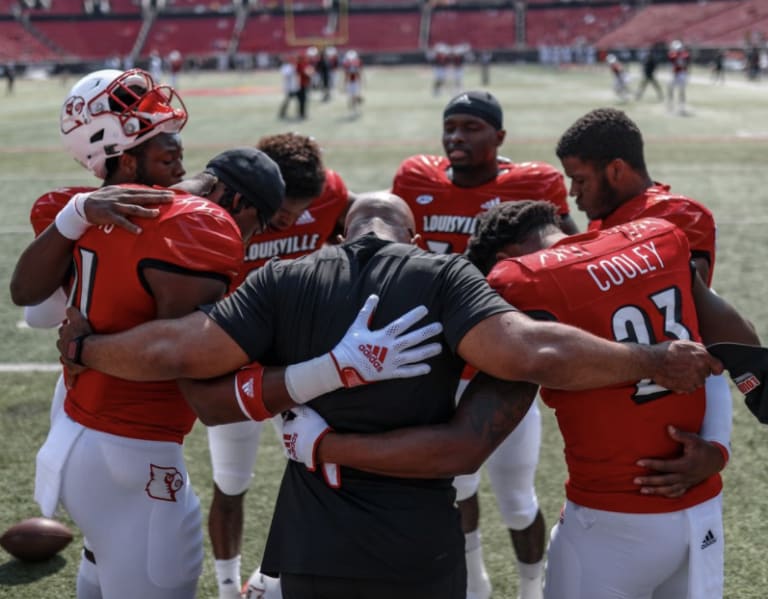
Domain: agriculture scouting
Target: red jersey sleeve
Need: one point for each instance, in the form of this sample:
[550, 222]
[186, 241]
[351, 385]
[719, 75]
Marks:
[48, 205]
[534, 181]
[197, 235]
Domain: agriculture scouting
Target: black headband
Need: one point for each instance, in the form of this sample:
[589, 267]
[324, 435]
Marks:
[476, 103]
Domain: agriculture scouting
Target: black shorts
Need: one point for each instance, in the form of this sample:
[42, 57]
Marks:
[301, 586]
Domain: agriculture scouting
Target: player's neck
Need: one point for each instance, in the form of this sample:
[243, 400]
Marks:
[475, 176]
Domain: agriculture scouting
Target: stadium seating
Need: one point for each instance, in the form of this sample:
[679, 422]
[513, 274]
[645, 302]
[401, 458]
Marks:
[370, 32]
[665, 22]
[205, 28]
[572, 25]
[389, 32]
[95, 39]
[191, 35]
[17, 44]
[482, 29]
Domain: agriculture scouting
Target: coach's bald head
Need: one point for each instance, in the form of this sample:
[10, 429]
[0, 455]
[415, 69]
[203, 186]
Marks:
[381, 213]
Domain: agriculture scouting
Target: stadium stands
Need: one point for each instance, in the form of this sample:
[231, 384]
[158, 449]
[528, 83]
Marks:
[93, 39]
[483, 29]
[572, 25]
[665, 22]
[17, 44]
[191, 35]
[205, 28]
[388, 32]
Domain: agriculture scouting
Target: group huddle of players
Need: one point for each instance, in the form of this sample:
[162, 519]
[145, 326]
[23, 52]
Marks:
[629, 278]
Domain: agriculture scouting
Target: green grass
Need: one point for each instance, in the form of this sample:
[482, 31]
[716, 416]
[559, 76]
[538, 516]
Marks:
[717, 156]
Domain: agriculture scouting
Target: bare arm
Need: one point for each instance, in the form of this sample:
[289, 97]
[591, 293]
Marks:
[719, 321]
[564, 357]
[42, 268]
[161, 350]
[488, 411]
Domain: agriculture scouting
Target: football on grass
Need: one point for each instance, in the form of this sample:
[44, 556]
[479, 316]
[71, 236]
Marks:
[36, 539]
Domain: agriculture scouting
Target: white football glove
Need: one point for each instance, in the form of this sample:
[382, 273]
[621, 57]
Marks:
[364, 356]
[302, 430]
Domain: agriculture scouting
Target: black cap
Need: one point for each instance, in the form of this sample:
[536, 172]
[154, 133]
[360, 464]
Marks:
[252, 174]
[481, 104]
[748, 367]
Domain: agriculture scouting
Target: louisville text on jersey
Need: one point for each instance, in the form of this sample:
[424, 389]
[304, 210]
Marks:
[447, 223]
[283, 247]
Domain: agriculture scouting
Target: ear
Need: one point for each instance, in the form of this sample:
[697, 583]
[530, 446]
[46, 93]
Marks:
[341, 238]
[501, 134]
[615, 170]
[127, 166]
[416, 240]
[236, 202]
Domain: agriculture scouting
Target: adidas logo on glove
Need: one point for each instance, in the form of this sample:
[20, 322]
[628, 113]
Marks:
[375, 355]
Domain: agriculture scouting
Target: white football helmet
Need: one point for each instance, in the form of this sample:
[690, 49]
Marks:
[108, 112]
[676, 45]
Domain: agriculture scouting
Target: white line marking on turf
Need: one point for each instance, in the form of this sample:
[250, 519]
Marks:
[29, 367]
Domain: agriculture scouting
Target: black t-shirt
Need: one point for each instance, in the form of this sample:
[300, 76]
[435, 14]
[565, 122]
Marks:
[373, 527]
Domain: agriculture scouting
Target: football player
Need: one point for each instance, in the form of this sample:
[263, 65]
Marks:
[446, 194]
[635, 283]
[681, 60]
[316, 201]
[602, 153]
[124, 128]
[409, 530]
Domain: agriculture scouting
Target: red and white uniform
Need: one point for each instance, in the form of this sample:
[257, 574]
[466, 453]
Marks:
[445, 213]
[628, 283]
[191, 235]
[680, 60]
[50, 313]
[312, 229]
[693, 218]
[114, 458]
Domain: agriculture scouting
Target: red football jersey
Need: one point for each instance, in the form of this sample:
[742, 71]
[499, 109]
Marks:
[312, 229]
[445, 213]
[191, 235]
[692, 217]
[628, 283]
[680, 60]
[48, 205]
[353, 68]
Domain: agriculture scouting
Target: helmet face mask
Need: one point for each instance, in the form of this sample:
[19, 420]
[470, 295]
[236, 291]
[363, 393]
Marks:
[108, 112]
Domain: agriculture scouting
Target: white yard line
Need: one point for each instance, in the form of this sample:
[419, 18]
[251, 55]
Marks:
[29, 367]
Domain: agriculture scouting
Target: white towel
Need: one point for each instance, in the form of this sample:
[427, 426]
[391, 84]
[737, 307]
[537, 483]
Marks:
[51, 460]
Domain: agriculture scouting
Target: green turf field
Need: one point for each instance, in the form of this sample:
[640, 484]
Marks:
[717, 155]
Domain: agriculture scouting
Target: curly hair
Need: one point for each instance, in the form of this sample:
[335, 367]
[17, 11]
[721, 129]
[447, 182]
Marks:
[301, 165]
[505, 223]
[601, 136]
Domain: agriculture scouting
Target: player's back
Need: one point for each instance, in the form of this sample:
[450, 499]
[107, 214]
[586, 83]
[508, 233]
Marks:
[631, 283]
[192, 236]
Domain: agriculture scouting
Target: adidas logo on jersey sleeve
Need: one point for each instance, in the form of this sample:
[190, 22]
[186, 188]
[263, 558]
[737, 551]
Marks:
[490, 203]
[305, 218]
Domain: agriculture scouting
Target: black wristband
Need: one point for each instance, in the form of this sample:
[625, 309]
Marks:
[75, 349]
